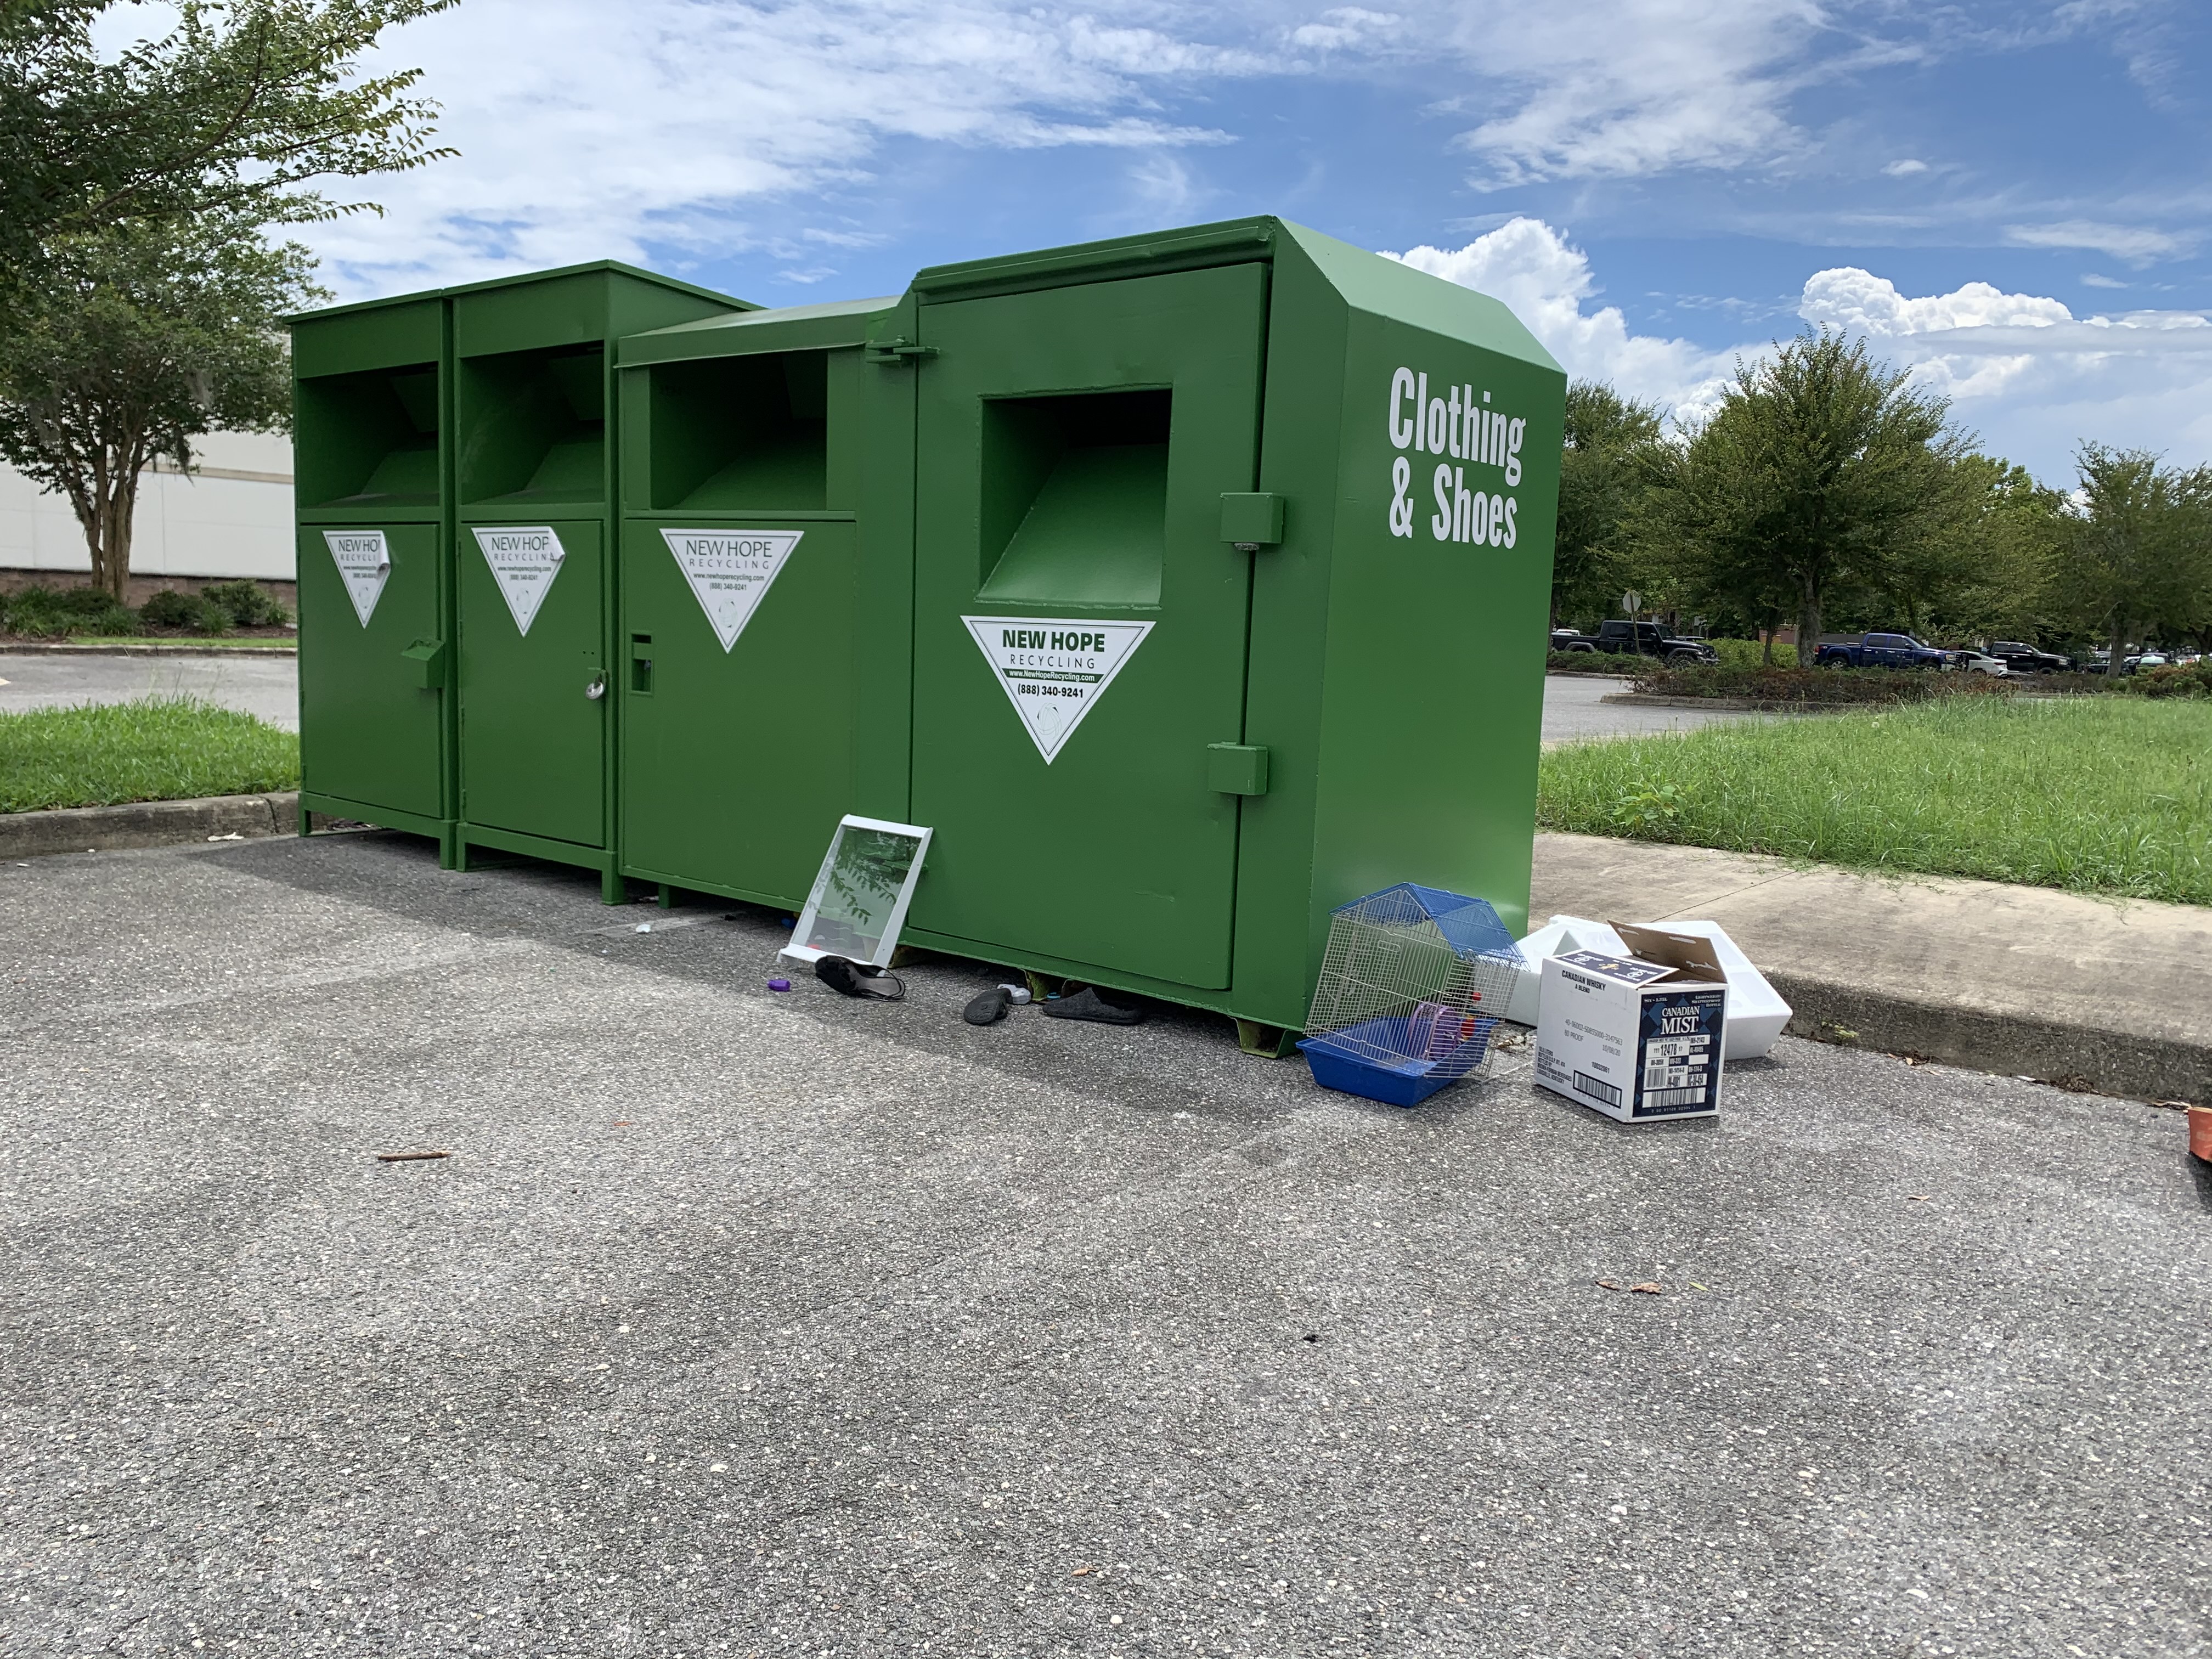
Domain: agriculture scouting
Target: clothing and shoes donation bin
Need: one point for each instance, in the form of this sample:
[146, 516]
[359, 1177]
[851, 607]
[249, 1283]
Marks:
[372, 481]
[456, 488]
[765, 572]
[1232, 549]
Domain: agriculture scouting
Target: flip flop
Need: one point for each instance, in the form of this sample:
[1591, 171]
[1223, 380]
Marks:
[990, 1008]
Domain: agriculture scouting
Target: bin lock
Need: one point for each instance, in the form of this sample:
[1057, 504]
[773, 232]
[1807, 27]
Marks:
[596, 687]
[427, 660]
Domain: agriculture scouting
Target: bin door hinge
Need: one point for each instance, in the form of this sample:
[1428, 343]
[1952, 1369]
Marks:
[426, 659]
[900, 350]
[1236, 769]
[1252, 520]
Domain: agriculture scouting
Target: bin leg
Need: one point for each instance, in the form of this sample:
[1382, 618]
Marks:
[306, 822]
[613, 889]
[667, 897]
[1272, 1041]
[453, 851]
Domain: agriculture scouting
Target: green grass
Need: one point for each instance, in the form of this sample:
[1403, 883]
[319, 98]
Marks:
[154, 749]
[228, 642]
[2094, 794]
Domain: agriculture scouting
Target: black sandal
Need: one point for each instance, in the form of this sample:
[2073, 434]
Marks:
[855, 979]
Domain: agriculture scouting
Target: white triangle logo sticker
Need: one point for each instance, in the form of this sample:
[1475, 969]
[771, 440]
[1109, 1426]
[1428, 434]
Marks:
[731, 571]
[364, 564]
[524, 562]
[1053, 671]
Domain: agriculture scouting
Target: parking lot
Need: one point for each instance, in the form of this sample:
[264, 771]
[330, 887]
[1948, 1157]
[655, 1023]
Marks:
[756, 1324]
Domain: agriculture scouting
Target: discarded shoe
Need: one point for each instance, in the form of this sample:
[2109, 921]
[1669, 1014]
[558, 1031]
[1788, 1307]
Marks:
[1089, 1004]
[852, 979]
[987, 1009]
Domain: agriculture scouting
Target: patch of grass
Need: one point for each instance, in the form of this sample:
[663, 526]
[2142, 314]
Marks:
[229, 642]
[154, 749]
[2093, 794]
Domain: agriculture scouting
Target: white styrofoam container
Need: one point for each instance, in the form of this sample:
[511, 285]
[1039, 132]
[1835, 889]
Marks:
[1756, 1011]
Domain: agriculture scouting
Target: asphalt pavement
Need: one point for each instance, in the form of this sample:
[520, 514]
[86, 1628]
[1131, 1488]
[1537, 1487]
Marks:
[757, 1324]
[1574, 709]
[266, 685]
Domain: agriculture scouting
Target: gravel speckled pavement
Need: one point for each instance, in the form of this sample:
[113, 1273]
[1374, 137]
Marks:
[748, 1324]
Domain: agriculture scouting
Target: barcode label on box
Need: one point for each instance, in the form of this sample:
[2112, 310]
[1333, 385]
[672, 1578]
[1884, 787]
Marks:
[1590, 1085]
[1665, 1099]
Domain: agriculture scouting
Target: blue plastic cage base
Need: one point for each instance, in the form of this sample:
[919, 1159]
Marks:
[1402, 1081]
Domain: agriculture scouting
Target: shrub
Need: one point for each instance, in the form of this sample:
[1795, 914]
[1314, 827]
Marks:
[186, 613]
[1795, 687]
[1582, 662]
[1746, 654]
[2178, 679]
[49, 613]
[247, 602]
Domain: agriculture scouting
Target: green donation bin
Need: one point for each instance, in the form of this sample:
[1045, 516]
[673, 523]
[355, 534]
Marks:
[1233, 551]
[373, 485]
[535, 487]
[765, 577]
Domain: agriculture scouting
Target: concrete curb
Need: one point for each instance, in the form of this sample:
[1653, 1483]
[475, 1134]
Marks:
[27, 648]
[147, 823]
[2026, 981]
[2090, 1059]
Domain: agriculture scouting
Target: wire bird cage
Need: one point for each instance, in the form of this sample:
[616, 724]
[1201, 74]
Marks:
[1409, 984]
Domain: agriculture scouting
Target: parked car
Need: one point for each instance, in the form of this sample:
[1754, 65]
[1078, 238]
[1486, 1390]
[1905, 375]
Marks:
[2023, 658]
[1881, 651]
[2148, 660]
[1637, 639]
[1979, 662]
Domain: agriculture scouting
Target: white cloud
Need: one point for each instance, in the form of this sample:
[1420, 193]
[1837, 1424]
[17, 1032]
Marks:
[1344, 28]
[2136, 244]
[587, 134]
[1614, 90]
[2091, 279]
[1544, 282]
[1905, 169]
[2033, 380]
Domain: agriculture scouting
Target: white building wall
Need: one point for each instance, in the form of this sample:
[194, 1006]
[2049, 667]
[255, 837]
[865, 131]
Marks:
[231, 517]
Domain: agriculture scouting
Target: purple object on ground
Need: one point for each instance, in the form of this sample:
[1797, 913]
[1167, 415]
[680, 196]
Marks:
[779, 985]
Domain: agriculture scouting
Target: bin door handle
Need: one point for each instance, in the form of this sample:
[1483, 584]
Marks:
[1251, 520]
[426, 662]
[1236, 769]
[596, 687]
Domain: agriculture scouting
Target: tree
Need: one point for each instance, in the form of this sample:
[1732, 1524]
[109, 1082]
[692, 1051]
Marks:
[130, 342]
[2138, 554]
[1820, 470]
[1610, 444]
[240, 104]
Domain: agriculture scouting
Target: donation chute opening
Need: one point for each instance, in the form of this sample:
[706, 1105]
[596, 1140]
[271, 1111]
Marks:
[1464, 428]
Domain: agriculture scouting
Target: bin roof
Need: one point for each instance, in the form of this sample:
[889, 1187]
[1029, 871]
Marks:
[739, 333]
[614, 267]
[1366, 281]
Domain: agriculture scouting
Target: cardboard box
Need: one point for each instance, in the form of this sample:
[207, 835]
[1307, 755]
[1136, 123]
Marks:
[1756, 1012]
[1640, 1038]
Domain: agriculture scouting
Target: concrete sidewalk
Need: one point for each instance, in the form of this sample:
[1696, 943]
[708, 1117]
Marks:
[2018, 979]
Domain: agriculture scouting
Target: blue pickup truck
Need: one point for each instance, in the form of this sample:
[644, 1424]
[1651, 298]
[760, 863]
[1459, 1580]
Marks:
[1881, 651]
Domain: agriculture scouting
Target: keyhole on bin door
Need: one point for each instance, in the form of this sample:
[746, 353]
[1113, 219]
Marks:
[641, 663]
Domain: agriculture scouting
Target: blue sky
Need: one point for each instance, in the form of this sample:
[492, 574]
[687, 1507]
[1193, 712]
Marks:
[2013, 197]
